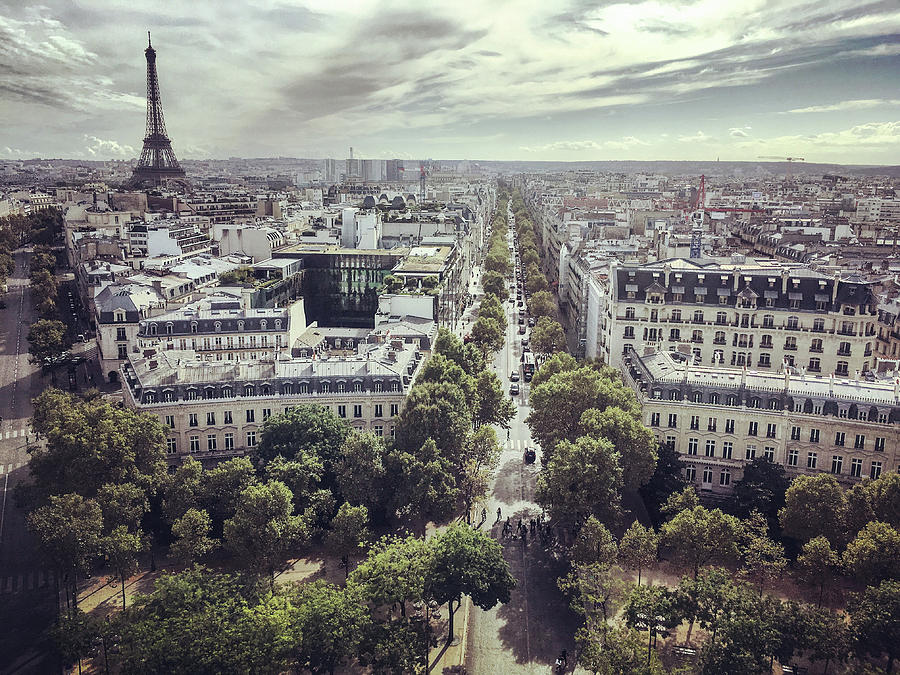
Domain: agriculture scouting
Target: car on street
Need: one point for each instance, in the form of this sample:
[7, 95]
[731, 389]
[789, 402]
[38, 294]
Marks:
[531, 321]
[521, 320]
[514, 376]
[524, 341]
[514, 389]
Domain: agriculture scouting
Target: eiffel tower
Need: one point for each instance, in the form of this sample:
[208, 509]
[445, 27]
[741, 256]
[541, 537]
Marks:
[157, 164]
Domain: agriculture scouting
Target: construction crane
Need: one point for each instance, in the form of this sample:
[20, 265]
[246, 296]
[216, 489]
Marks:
[789, 160]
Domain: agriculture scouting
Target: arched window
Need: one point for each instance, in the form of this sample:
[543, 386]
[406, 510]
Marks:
[698, 397]
[341, 387]
[209, 392]
[395, 386]
[150, 397]
[714, 398]
[152, 329]
[732, 400]
[193, 326]
[326, 387]
[227, 392]
[191, 394]
[265, 390]
[248, 390]
[168, 396]
[170, 328]
[357, 386]
[287, 388]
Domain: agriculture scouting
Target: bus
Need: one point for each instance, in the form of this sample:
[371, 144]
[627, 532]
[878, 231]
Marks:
[527, 366]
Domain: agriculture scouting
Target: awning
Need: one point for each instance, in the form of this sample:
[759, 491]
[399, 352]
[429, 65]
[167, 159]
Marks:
[700, 290]
[678, 289]
[721, 292]
[823, 297]
[631, 288]
[795, 296]
[770, 294]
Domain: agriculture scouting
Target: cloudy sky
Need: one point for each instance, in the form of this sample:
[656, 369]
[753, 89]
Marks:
[490, 79]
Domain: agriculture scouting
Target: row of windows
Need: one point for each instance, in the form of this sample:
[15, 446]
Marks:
[250, 415]
[287, 388]
[153, 329]
[252, 438]
[837, 463]
[749, 321]
[854, 412]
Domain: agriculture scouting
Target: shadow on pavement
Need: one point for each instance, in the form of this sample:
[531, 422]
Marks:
[515, 481]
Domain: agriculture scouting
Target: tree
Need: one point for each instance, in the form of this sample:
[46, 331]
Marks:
[426, 489]
[302, 475]
[304, 430]
[191, 534]
[763, 558]
[679, 501]
[349, 531]
[495, 283]
[582, 477]
[182, 492]
[874, 555]
[595, 544]
[122, 504]
[221, 489]
[535, 281]
[617, 650]
[492, 308]
[361, 471]
[396, 646]
[652, 608]
[559, 402]
[596, 591]
[481, 454]
[494, 406]
[47, 341]
[440, 369]
[437, 411]
[700, 537]
[68, 531]
[238, 277]
[667, 480]
[488, 335]
[634, 442]
[200, 622]
[263, 527]
[122, 549]
[548, 336]
[638, 548]
[330, 622]
[467, 562]
[557, 363]
[814, 506]
[875, 621]
[88, 444]
[762, 488]
[542, 304]
[466, 356]
[817, 564]
[394, 571]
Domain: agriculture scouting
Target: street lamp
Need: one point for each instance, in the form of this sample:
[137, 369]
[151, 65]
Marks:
[652, 625]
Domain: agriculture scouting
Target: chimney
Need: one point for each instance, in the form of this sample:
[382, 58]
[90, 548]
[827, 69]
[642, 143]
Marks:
[787, 374]
[736, 273]
[834, 287]
[784, 280]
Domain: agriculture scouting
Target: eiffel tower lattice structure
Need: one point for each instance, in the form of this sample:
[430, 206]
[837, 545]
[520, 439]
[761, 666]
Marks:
[158, 164]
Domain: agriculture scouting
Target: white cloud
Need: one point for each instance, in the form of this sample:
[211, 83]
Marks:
[558, 146]
[738, 132]
[626, 143]
[104, 149]
[856, 104]
[699, 137]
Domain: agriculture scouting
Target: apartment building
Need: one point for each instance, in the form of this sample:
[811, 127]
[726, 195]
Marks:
[718, 419]
[742, 313]
[220, 327]
[216, 409]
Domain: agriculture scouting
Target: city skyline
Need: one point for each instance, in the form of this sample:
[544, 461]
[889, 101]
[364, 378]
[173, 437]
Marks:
[572, 81]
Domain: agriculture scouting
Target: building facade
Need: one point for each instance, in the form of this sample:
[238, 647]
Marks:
[759, 316]
[718, 419]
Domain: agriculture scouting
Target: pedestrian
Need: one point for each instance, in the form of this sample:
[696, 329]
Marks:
[507, 433]
[483, 515]
[565, 657]
[559, 665]
[533, 525]
[499, 516]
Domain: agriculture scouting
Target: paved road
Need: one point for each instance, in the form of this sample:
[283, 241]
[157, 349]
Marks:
[528, 633]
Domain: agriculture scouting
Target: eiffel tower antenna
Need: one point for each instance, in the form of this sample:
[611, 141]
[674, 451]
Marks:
[157, 163]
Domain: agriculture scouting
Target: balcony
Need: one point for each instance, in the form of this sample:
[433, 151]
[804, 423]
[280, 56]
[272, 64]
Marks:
[814, 369]
[818, 329]
[816, 350]
[719, 341]
[790, 347]
[697, 340]
[843, 352]
[846, 331]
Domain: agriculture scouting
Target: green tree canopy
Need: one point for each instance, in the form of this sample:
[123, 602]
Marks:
[122, 504]
[635, 443]
[361, 471]
[68, 530]
[394, 571]
[263, 528]
[814, 506]
[495, 283]
[349, 532]
[874, 555]
[47, 340]
[425, 485]
[762, 488]
[304, 430]
[874, 621]
[488, 335]
[638, 548]
[557, 363]
[818, 564]
[466, 356]
[91, 443]
[700, 537]
[465, 561]
[548, 336]
[542, 304]
[582, 477]
[595, 544]
[494, 406]
[440, 368]
[191, 536]
[434, 410]
[122, 549]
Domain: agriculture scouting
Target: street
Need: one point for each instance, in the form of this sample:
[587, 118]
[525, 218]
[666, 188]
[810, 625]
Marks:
[528, 633]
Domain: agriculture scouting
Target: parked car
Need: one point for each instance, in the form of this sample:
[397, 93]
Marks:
[514, 376]
[521, 320]
[524, 341]
[530, 455]
[530, 320]
[514, 389]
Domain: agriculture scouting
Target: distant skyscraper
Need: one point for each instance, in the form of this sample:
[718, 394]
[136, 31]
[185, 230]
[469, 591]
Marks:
[157, 164]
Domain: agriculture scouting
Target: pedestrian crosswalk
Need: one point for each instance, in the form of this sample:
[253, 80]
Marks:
[9, 468]
[518, 445]
[14, 433]
[30, 581]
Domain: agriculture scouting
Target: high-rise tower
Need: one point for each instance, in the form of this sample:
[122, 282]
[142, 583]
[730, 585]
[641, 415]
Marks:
[157, 164]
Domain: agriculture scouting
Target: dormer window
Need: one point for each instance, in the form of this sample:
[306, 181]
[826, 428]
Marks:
[152, 329]
[119, 317]
[193, 326]
[277, 324]
[263, 324]
[218, 326]
[240, 325]
[169, 328]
